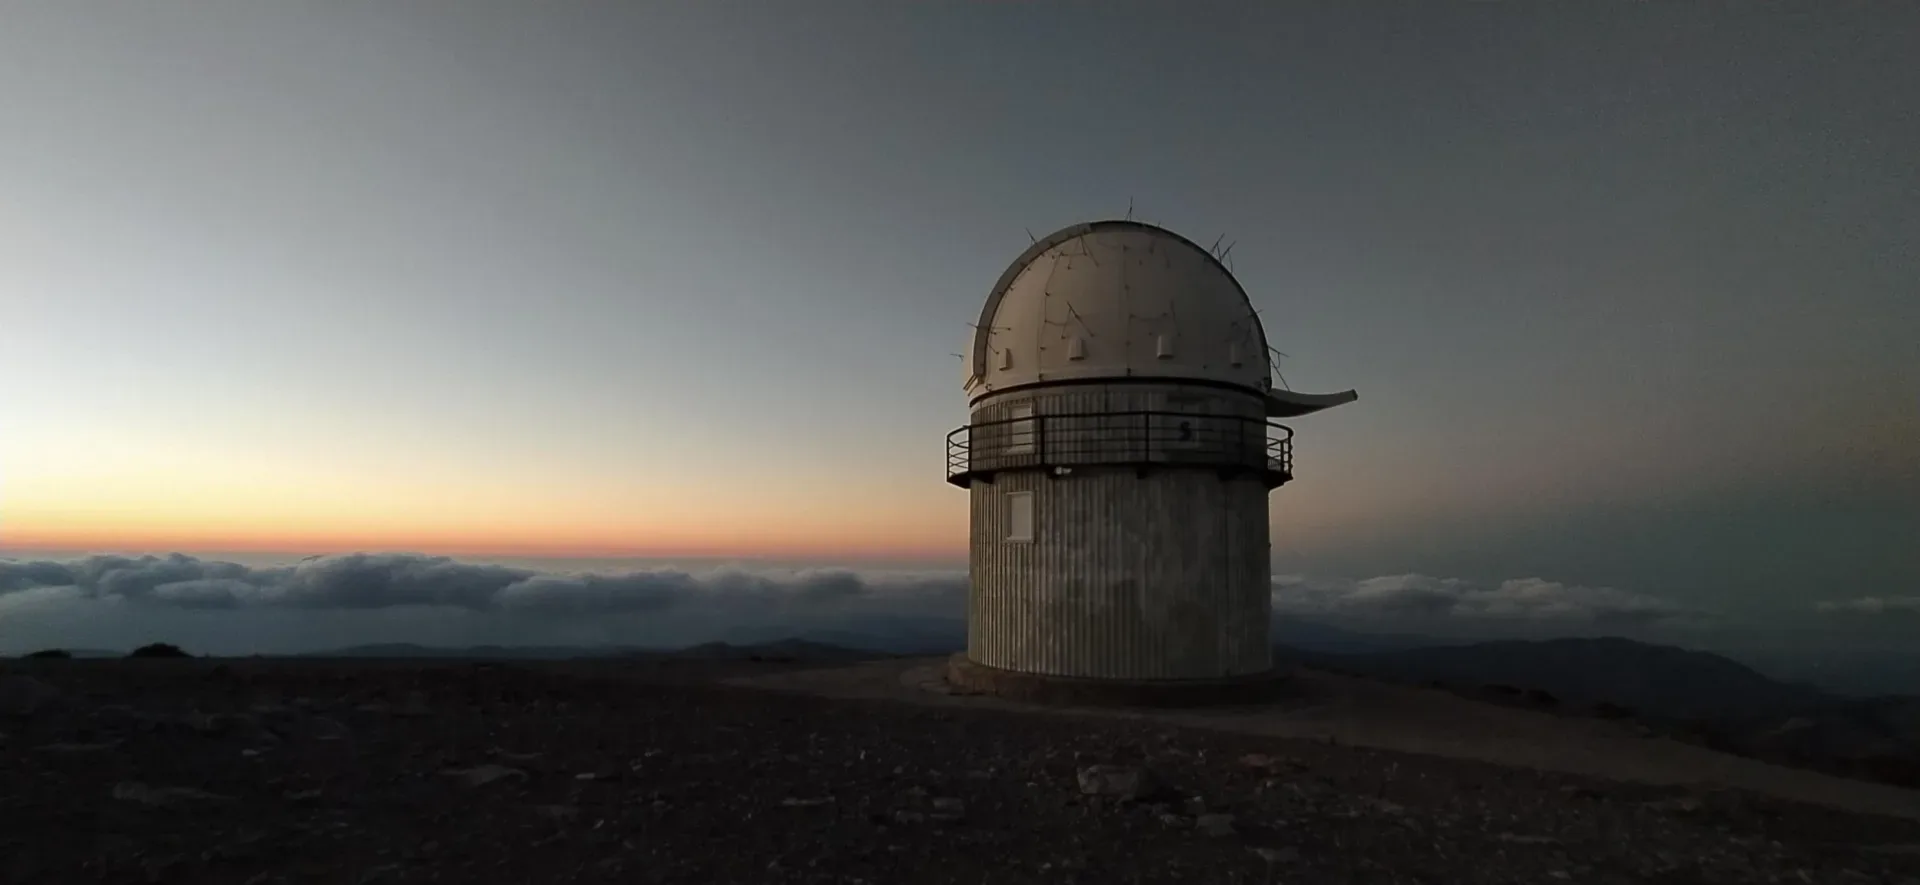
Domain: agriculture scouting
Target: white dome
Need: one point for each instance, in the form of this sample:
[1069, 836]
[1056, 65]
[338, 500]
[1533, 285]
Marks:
[1116, 299]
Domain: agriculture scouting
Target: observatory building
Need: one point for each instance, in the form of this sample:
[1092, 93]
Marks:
[1118, 458]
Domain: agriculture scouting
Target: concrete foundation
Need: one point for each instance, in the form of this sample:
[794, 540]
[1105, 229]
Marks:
[968, 677]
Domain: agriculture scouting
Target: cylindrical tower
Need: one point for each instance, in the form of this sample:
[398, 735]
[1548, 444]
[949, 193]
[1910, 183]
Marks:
[1118, 459]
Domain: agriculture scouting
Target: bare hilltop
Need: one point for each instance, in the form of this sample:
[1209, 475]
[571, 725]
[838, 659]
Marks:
[717, 769]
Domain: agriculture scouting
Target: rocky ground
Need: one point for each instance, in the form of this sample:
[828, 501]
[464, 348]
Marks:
[365, 772]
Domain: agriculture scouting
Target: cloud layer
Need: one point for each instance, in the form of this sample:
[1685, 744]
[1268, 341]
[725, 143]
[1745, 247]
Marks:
[363, 582]
[1872, 605]
[1519, 599]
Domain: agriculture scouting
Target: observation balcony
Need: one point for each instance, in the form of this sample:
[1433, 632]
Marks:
[1141, 440]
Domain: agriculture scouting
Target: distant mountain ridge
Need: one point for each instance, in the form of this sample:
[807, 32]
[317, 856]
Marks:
[1657, 680]
[490, 652]
[1692, 695]
[778, 650]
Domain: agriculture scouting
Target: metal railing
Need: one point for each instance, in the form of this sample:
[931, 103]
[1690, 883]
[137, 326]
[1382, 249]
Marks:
[1139, 439]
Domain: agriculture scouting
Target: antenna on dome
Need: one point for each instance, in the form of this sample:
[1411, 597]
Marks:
[1277, 356]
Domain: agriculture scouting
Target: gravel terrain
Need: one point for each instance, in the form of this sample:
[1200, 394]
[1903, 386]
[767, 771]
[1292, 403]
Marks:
[310, 771]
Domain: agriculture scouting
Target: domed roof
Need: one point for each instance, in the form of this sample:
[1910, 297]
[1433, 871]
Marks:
[1123, 299]
[1116, 299]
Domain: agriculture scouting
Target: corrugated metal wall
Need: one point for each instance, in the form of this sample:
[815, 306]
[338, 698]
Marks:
[1162, 576]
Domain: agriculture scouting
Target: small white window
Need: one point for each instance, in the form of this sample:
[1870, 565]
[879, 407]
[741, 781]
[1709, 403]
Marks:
[1076, 348]
[1006, 358]
[1019, 516]
[1020, 429]
[1163, 347]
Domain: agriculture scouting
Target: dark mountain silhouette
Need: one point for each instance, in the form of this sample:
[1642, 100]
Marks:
[891, 634]
[787, 650]
[1858, 672]
[1692, 695]
[77, 653]
[1655, 680]
[783, 651]
[1295, 635]
[488, 652]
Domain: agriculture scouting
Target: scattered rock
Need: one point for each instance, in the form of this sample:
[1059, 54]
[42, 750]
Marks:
[239, 725]
[163, 797]
[1387, 807]
[415, 706]
[118, 716]
[64, 747]
[1284, 854]
[1581, 792]
[1270, 764]
[1127, 783]
[322, 728]
[686, 779]
[557, 813]
[25, 695]
[481, 775]
[277, 721]
[1215, 825]
[1683, 804]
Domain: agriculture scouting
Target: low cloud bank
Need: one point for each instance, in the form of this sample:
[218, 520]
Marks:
[1519, 599]
[367, 581]
[374, 581]
[1871, 605]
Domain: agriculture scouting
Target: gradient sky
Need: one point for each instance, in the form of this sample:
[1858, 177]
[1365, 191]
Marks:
[1630, 293]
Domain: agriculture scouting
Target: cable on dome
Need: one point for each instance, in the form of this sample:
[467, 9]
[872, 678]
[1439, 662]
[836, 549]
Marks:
[992, 350]
[1075, 316]
[1276, 366]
